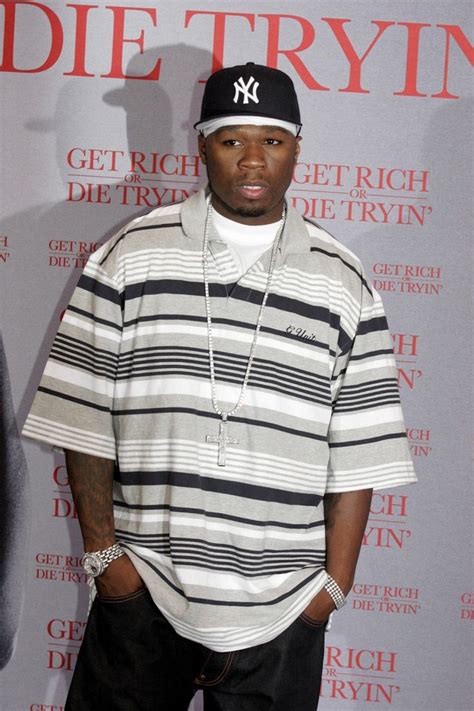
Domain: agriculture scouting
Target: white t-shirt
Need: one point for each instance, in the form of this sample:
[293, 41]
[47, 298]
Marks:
[247, 243]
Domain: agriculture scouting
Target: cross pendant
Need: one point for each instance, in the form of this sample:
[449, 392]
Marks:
[222, 440]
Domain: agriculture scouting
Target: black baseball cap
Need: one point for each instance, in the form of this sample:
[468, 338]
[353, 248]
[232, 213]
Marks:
[250, 90]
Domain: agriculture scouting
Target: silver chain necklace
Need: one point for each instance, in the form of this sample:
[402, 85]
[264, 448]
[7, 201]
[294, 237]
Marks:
[222, 439]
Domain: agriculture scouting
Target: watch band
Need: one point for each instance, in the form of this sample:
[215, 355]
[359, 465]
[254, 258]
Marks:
[335, 592]
[96, 562]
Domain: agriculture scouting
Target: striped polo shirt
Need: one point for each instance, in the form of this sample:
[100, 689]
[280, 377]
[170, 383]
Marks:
[231, 555]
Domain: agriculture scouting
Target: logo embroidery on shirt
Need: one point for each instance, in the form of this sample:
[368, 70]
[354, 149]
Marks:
[244, 88]
[298, 332]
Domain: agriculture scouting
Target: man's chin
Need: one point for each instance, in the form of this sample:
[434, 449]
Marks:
[245, 210]
[253, 211]
[248, 210]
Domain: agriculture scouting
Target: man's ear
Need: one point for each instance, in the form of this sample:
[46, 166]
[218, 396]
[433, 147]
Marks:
[298, 147]
[202, 147]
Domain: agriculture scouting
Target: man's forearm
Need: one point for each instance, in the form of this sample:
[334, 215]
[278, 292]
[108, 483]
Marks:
[91, 482]
[91, 479]
[346, 518]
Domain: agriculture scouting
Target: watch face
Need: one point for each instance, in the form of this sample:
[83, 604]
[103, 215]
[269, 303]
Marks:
[92, 564]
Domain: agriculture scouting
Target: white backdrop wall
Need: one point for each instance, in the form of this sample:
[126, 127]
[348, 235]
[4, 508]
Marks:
[98, 100]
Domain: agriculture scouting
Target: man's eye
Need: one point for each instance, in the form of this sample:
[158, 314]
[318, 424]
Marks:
[272, 141]
[231, 142]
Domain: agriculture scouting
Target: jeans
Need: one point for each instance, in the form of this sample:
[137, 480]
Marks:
[131, 659]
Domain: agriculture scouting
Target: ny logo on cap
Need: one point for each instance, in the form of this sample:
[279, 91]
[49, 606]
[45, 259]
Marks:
[244, 88]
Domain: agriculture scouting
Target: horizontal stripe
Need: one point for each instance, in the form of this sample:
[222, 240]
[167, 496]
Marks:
[173, 363]
[93, 317]
[380, 385]
[375, 364]
[398, 476]
[216, 515]
[315, 289]
[253, 603]
[234, 471]
[371, 354]
[200, 413]
[368, 405]
[169, 367]
[343, 422]
[79, 378]
[136, 229]
[373, 325]
[90, 328]
[223, 486]
[218, 552]
[189, 288]
[71, 398]
[98, 289]
[245, 572]
[333, 255]
[235, 468]
[153, 227]
[251, 588]
[82, 364]
[59, 435]
[155, 450]
[206, 556]
[381, 469]
[142, 331]
[214, 579]
[229, 359]
[255, 398]
[228, 322]
[227, 528]
[369, 440]
[65, 342]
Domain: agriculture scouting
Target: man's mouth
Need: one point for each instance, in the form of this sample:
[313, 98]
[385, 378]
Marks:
[252, 191]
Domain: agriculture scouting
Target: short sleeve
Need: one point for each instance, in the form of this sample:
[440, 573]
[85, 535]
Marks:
[73, 405]
[367, 435]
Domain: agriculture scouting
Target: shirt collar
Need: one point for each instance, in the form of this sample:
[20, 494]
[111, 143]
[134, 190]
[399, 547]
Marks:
[295, 237]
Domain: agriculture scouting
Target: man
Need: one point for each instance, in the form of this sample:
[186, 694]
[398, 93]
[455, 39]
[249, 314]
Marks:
[224, 376]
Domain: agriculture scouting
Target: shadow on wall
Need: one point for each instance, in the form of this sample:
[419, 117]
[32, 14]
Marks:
[176, 113]
[445, 152]
[157, 120]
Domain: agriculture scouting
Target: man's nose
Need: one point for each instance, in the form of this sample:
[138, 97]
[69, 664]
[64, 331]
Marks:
[252, 156]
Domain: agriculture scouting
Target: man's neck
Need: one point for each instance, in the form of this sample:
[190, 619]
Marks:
[271, 216]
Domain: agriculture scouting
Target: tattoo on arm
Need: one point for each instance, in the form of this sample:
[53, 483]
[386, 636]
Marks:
[91, 480]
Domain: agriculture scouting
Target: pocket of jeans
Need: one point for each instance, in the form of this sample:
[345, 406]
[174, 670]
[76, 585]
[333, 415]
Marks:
[215, 668]
[112, 600]
[310, 622]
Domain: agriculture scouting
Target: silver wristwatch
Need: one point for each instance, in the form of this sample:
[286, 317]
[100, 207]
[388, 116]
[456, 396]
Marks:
[338, 597]
[95, 563]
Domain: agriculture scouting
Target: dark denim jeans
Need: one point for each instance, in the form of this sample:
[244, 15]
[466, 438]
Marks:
[131, 659]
